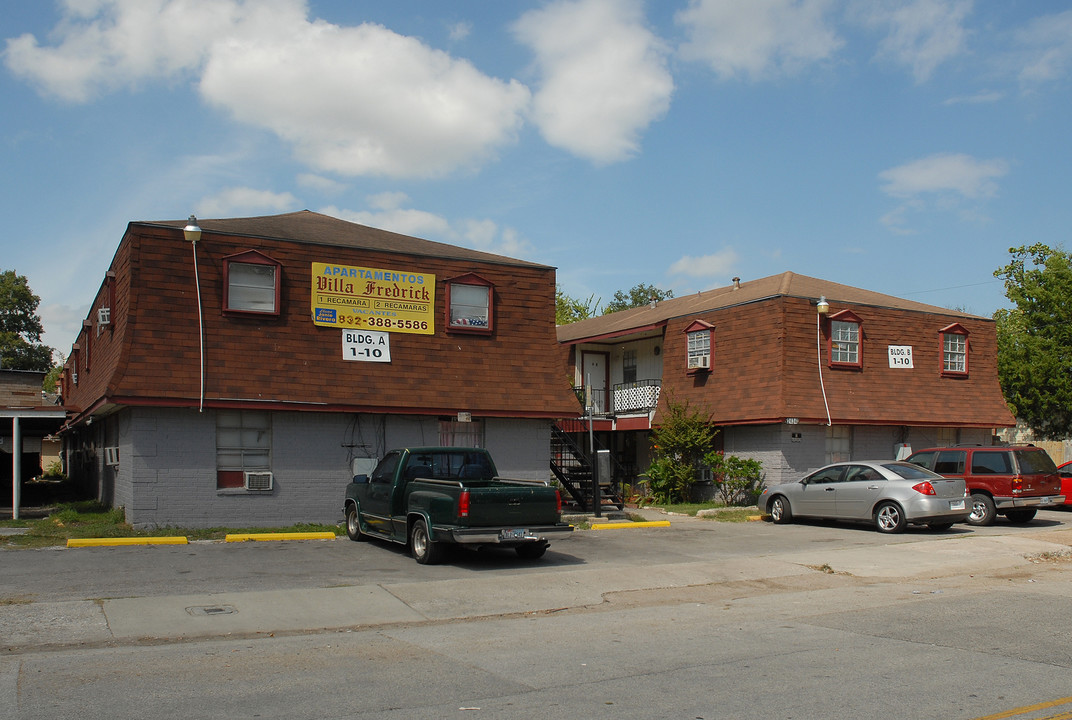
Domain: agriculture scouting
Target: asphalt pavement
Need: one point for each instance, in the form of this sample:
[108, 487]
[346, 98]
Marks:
[28, 623]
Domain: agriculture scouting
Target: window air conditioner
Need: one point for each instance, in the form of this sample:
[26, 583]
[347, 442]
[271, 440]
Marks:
[258, 480]
[699, 362]
[104, 316]
[111, 456]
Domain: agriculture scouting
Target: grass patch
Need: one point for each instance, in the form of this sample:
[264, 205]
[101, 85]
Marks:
[722, 512]
[688, 508]
[16, 600]
[734, 515]
[90, 519]
[1051, 557]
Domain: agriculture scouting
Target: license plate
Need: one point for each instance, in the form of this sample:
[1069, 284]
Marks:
[956, 504]
[513, 534]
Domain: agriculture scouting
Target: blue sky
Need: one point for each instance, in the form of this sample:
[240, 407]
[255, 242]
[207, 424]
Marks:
[901, 147]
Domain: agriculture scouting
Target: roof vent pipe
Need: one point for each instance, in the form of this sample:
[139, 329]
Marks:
[736, 283]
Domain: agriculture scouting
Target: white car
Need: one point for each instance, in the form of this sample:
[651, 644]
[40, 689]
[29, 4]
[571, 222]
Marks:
[889, 494]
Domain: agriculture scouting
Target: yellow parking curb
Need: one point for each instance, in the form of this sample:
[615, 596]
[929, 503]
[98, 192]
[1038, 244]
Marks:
[242, 537]
[112, 542]
[615, 526]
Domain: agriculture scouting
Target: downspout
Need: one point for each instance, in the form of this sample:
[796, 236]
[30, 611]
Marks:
[822, 308]
[193, 233]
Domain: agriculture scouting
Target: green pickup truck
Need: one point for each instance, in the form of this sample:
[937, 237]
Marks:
[429, 497]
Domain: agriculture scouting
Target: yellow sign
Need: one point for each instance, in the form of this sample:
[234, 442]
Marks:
[373, 299]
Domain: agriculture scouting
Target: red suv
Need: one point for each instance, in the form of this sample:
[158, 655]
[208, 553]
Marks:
[1013, 481]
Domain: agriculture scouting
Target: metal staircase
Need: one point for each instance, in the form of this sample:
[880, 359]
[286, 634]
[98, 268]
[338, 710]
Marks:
[572, 467]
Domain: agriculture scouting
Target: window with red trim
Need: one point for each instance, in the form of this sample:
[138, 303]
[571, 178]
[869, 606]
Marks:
[251, 283]
[699, 346]
[470, 304]
[845, 345]
[954, 340]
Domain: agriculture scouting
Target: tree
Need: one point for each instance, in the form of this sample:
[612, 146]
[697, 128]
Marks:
[20, 326]
[1035, 339]
[570, 310]
[637, 296]
[679, 445]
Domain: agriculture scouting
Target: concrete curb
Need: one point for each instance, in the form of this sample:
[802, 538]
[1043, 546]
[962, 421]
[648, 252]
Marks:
[261, 537]
[621, 525]
[113, 542]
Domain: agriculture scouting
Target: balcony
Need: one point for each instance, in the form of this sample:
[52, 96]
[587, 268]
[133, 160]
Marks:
[640, 396]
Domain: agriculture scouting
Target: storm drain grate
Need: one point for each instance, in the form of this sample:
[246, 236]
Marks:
[203, 610]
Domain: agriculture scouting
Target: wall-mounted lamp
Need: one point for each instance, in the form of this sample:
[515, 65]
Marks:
[822, 307]
[192, 232]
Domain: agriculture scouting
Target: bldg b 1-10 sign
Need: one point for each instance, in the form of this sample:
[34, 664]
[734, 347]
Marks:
[373, 299]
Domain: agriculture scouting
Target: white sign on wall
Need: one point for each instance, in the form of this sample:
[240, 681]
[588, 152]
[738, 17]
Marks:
[366, 345]
[900, 356]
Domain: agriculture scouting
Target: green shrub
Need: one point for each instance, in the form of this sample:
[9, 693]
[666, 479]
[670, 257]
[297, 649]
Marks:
[736, 479]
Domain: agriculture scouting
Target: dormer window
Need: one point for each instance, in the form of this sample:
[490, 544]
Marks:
[251, 284]
[470, 304]
[699, 346]
[954, 350]
[846, 340]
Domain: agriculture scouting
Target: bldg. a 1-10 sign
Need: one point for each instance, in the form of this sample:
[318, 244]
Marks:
[366, 346]
[373, 299]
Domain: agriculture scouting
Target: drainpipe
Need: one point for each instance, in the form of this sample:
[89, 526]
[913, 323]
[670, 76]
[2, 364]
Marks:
[193, 233]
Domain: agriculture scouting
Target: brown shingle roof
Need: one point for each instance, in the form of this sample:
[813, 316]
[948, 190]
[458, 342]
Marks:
[786, 284]
[314, 228]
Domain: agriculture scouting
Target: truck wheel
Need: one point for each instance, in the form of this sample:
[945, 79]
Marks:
[353, 524]
[889, 518]
[1021, 517]
[531, 551]
[983, 512]
[424, 550]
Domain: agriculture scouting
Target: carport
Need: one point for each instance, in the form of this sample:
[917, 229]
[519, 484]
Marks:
[26, 424]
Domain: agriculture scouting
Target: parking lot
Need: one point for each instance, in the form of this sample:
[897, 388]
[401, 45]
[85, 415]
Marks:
[703, 618]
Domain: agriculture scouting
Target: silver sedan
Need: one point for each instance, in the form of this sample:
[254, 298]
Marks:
[889, 494]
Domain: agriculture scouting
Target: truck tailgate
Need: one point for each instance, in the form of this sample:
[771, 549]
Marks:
[506, 504]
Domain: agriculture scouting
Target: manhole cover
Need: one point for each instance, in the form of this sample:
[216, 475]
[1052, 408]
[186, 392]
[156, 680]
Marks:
[211, 610]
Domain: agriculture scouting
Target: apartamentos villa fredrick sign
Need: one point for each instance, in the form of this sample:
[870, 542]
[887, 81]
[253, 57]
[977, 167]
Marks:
[374, 299]
[900, 356]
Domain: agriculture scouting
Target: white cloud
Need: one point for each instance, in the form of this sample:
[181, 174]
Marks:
[945, 182]
[459, 31]
[486, 235]
[603, 75]
[716, 265]
[61, 324]
[321, 183]
[1046, 48]
[758, 38]
[945, 173]
[104, 45]
[979, 98]
[365, 100]
[244, 201]
[390, 212]
[352, 100]
[922, 34]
